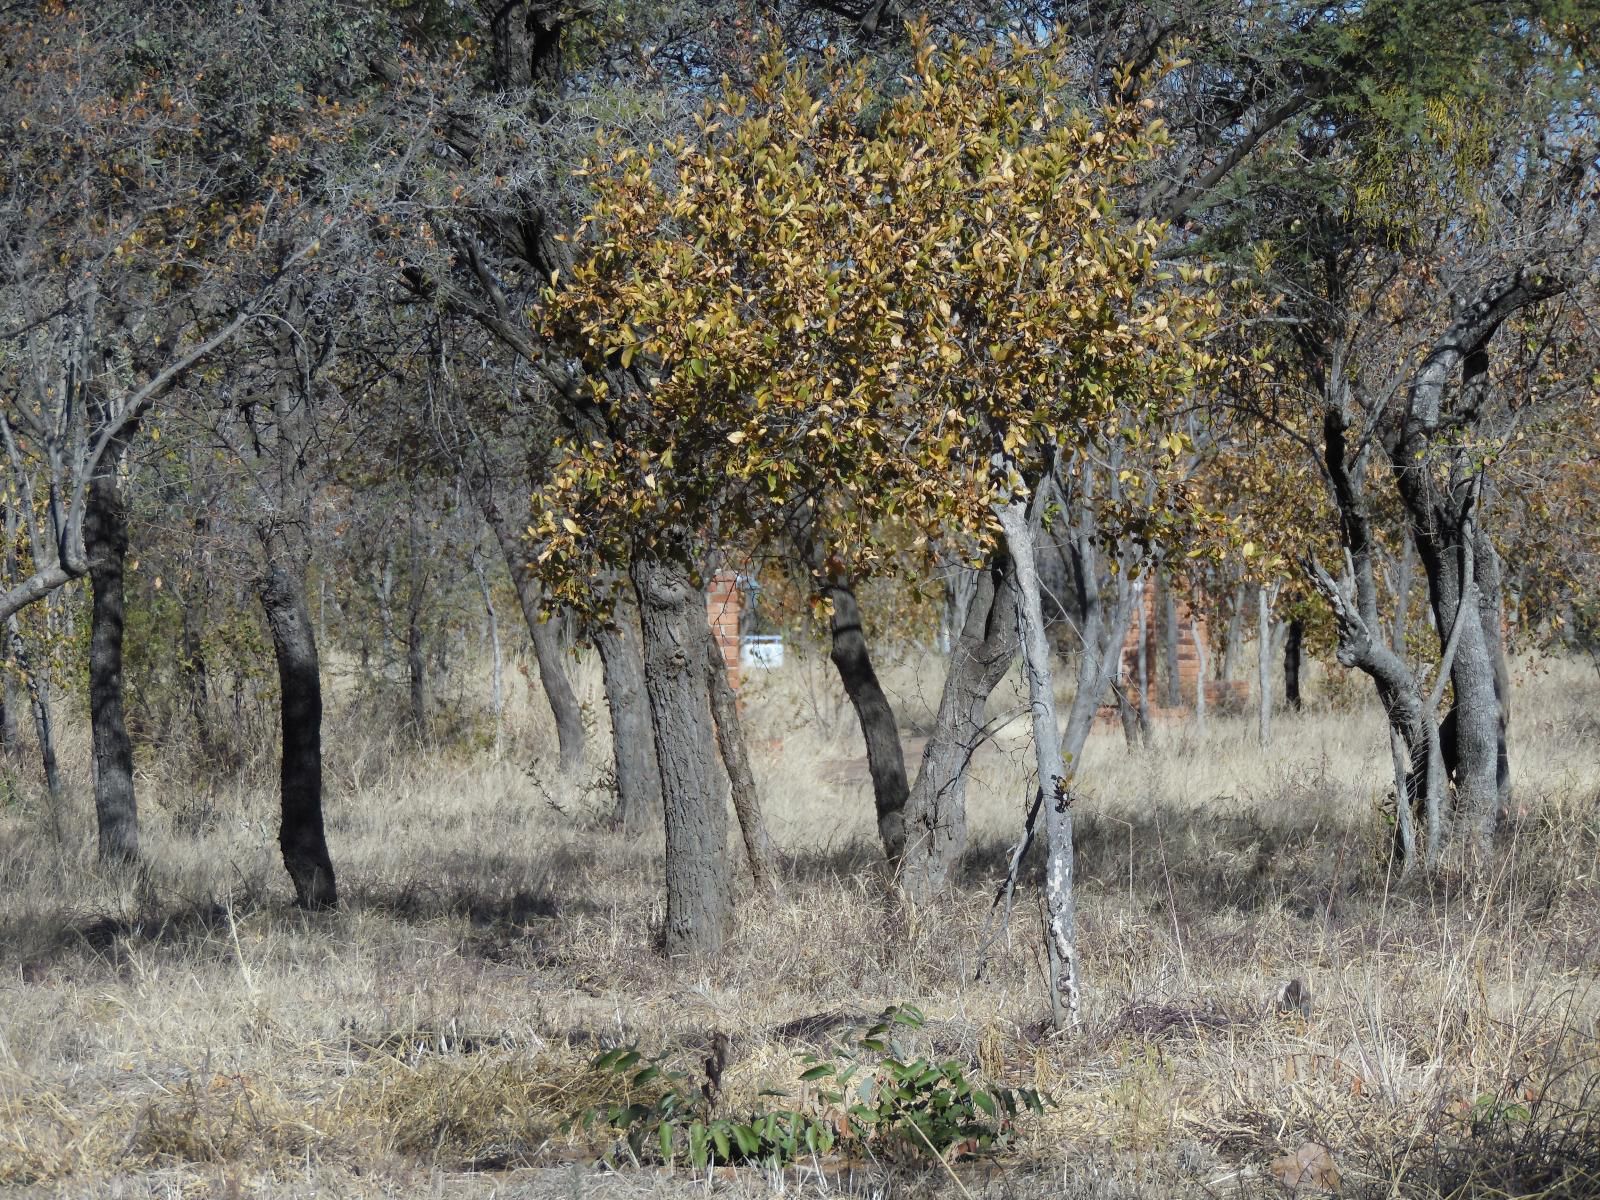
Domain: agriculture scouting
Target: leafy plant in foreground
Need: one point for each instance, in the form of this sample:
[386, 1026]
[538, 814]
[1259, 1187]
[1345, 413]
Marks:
[872, 1096]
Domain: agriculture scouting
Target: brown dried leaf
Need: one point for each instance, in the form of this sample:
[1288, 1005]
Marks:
[1309, 1169]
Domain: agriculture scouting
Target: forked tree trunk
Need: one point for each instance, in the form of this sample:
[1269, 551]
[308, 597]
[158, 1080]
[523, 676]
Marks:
[1060, 908]
[936, 819]
[105, 535]
[886, 761]
[736, 762]
[672, 617]
[632, 733]
[301, 837]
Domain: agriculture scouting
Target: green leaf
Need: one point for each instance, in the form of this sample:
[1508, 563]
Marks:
[821, 1072]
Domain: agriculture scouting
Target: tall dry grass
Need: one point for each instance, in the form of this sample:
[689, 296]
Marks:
[186, 1032]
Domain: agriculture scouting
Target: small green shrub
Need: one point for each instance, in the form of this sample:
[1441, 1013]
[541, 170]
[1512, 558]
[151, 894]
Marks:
[871, 1096]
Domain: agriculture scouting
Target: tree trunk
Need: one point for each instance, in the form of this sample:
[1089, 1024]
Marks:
[44, 726]
[416, 657]
[1172, 695]
[547, 651]
[282, 590]
[1200, 679]
[1292, 644]
[633, 745]
[1060, 909]
[497, 694]
[1264, 664]
[886, 762]
[1230, 650]
[105, 535]
[1492, 612]
[672, 614]
[736, 762]
[1142, 666]
[936, 819]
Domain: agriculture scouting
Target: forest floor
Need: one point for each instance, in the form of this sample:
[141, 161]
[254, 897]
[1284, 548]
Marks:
[190, 1034]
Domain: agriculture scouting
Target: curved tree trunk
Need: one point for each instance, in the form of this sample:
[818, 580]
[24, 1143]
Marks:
[105, 535]
[886, 760]
[282, 591]
[632, 734]
[672, 618]
[936, 819]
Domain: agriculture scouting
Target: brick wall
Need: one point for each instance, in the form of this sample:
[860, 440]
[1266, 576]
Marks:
[722, 610]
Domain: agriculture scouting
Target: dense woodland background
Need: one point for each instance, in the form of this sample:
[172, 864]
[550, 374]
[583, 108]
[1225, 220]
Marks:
[383, 384]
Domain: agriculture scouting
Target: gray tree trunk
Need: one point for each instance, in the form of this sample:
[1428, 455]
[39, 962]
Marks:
[44, 726]
[632, 734]
[672, 615]
[416, 596]
[1264, 665]
[1171, 681]
[1200, 679]
[736, 762]
[1060, 908]
[547, 650]
[936, 819]
[105, 536]
[497, 700]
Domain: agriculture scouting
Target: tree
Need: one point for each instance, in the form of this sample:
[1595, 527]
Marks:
[843, 307]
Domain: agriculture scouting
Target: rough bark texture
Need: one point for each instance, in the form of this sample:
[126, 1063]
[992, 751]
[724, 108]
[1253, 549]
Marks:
[105, 535]
[936, 821]
[672, 616]
[736, 762]
[1438, 478]
[1060, 909]
[282, 590]
[886, 761]
[1363, 644]
[632, 736]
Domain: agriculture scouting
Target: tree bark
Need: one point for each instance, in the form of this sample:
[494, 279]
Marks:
[736, 762]
[497, 702]
[416, 657]
[1292, 645]
[1060, 908]
[886, 761]
[632, 733]
[1172, 694]
[44, 726]
[1264, 665]
[672, 614]
[301, 837]
[105, 535]
[547, 651]
[936, 819]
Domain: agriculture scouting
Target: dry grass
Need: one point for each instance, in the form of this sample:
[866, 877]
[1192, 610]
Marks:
[189, 1034]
